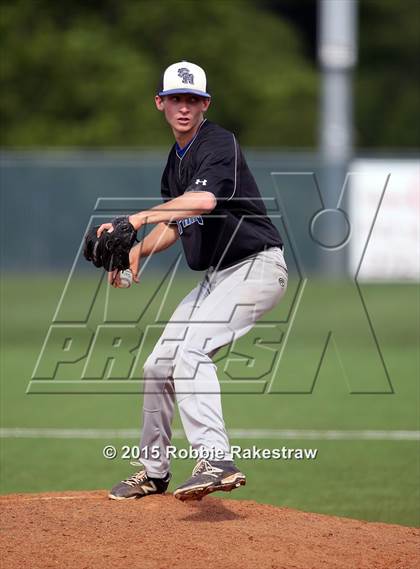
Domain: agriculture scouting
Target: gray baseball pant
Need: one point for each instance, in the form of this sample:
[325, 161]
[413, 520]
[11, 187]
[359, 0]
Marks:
[220, 309]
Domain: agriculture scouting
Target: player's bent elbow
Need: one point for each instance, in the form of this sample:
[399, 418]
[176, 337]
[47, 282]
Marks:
[209, 202]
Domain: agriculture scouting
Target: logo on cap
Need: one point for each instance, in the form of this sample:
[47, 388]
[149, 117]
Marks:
[187, 77]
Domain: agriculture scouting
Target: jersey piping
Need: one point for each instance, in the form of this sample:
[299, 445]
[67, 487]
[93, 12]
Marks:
[188, 148]
[236, 166]
[236, 172]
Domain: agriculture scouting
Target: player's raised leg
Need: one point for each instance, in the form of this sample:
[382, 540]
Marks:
[239, 296]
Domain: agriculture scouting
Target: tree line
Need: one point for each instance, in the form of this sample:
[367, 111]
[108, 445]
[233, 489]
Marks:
[77, 73]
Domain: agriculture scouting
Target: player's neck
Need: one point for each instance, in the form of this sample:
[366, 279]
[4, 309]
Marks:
[184, 138]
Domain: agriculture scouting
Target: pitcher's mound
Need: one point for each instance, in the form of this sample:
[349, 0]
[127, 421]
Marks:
[86, 530]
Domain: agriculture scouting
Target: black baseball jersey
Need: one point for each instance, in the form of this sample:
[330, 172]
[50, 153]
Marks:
[238, 226]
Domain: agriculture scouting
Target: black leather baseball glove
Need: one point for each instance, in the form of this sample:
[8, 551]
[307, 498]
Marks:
[111, 250]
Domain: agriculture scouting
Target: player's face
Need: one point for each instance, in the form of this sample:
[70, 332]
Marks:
[184, 112]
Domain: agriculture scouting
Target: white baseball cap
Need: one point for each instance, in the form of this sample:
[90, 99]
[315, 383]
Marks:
[184, 77]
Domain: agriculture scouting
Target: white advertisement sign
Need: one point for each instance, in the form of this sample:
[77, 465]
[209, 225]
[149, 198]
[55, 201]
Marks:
[389, 248]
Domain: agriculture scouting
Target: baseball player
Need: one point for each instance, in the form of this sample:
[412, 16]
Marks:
[212, 204]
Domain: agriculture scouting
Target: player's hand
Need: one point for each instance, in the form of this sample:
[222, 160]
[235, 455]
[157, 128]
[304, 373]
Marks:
[114, 278]
[105, 227]
[135, 262]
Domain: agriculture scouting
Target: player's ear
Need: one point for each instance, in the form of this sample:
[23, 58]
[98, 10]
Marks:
[206, 103]
[159, 103]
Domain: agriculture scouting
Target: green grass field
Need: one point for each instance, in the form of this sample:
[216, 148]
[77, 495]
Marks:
[367, 479]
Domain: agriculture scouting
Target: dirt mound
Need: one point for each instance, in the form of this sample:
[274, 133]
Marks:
[85, 530]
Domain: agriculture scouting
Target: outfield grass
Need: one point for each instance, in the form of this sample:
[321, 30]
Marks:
[373, 480]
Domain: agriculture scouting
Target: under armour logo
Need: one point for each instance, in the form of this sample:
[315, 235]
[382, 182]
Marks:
[187, 77]
[202, 182]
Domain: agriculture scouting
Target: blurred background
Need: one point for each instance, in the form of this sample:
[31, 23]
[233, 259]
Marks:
[322, 96]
